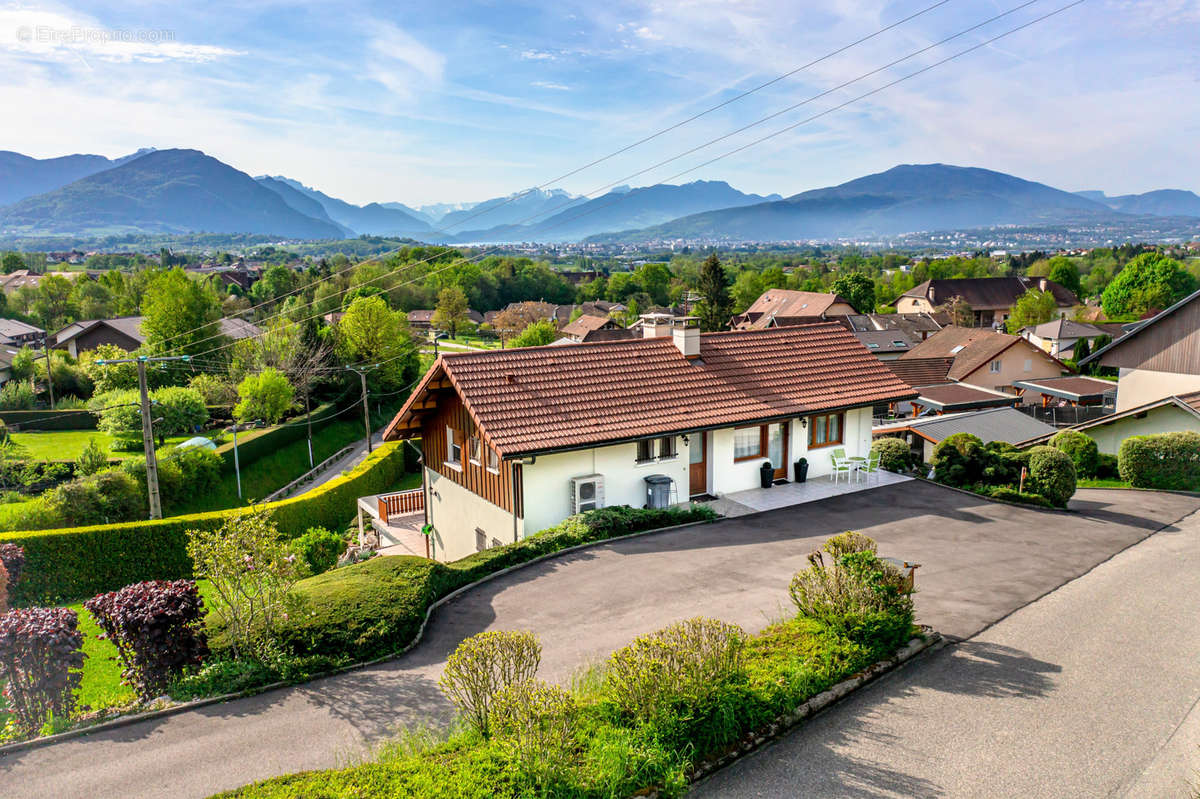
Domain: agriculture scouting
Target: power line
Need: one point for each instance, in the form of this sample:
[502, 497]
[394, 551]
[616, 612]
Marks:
[613, 154]
[622, 197]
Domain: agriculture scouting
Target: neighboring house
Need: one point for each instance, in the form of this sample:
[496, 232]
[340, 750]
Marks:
[423, 320]
[996, 424]
[783, 307]
[1167, 415]
[16, 333]
[917, 326]
[333, 317]
[586, 324]
[1160, 358]
[126, 333]
[515, 441]
[23, 277]
[938, 393]
[991, 298]
[5, 367]
[601, 308]
[987, 358]
[1059, 336]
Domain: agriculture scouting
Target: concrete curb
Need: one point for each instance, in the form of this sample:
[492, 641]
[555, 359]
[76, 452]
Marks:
[785, 723]
[135, 718]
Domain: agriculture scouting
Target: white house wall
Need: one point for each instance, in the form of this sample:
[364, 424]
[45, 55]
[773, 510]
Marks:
[456, 513]
[1167, 419]
[1141, 386]
[547, 480]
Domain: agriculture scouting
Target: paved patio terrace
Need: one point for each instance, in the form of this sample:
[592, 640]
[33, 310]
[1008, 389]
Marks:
[755, 500]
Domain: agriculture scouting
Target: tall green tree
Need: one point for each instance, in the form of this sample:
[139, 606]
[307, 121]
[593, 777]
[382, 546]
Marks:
[11, 262]
[371, 332]
[52, 306]
[1065, 273]
[1150, 281]
[1032, 308]
[266, 395]
[180, 315]
[451, 309]
[715, 306]
[857, 289]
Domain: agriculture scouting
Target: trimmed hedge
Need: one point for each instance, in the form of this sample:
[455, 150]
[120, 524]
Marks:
[77, 562]
[894, 453]
[254, 444]
[374, 608]
[1169, 461]
[1052, 474]
[20, 421]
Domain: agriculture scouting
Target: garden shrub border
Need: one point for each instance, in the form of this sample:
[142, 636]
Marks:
[184, 707]
[47, 420]
[78, 562]
[254, 444]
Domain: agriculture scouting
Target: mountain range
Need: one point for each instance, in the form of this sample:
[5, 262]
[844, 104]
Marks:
[178, 191]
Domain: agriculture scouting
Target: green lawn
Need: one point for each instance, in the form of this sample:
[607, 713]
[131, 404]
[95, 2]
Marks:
[1102, 482]
[101, 687]
[272, 472]
[65, 445]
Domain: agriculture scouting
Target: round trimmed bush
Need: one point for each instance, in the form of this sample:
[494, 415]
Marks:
[1169, 461]
[959, 460]
[1080, 448]
[1052, 474]
[894, 453]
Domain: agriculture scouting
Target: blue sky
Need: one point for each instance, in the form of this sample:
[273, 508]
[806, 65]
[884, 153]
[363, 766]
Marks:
[432, 102]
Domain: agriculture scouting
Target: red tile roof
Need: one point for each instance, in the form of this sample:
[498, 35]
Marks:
[786, 307]
[586, 324]
[961, 395]
[970, 347]
[921, 371]
[541, 399]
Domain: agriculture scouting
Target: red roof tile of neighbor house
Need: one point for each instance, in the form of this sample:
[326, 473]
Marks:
[586, 324]
[541, 399]
[789, 307]
[970, 347]
[920, 371]
[962, 395]
[1076, 385]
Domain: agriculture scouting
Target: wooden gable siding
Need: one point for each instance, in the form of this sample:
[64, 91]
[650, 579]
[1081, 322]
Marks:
[1172, 345]
[495, 487]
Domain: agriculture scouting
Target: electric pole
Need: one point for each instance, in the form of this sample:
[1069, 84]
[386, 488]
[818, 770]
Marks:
[362, 375]
[147, 426]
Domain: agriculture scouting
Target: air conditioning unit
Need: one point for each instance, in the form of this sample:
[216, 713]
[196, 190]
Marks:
[587, 493]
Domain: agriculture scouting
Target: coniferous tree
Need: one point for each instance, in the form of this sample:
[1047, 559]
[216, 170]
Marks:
[715, 306]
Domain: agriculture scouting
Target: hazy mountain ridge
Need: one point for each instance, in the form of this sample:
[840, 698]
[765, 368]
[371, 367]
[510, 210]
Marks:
[903, 199]
[165, 191]
[1161, 202]
[373, 218]
[22, 176]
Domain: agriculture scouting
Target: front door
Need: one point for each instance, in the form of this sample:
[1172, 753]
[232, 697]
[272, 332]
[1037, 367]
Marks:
[698, 470]
[777, 448]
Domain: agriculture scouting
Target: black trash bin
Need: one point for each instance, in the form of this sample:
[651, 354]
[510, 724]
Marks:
[801, 467]
[767, 473]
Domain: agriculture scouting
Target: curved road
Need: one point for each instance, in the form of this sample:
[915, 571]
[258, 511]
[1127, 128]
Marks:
[982, 562]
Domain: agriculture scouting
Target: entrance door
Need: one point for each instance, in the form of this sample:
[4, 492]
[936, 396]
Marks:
[777, 448]
[698, 469]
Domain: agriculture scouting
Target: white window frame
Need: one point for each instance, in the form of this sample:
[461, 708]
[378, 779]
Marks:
[451, 461]
[493, 461]
[474, 453]
[995, 366]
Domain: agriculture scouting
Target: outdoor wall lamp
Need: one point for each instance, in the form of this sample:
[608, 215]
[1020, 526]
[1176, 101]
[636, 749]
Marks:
[685, 440]
[803, 421]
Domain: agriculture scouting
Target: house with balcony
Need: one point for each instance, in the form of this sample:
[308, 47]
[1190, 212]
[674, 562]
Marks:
[514, 441]
[990, 299]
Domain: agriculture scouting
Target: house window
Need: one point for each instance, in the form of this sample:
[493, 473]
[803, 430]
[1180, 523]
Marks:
[1029, 364]
[493, 462]
[480, 540]
[994, 367]
[666, 447]
[645, 451]
[454, 446]
[474, 450]
[747, 443]
[825, 430]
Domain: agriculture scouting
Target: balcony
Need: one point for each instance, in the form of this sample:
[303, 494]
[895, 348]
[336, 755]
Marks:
[392, 522]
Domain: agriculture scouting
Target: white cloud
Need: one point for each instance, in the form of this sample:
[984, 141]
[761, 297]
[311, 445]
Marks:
[42, 35]
[537, 55]
[400, 62]
[545, 84]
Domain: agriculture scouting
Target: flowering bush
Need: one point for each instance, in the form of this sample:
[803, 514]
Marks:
[41, 654]
[251, 571]
[158, 629]
[485, 664]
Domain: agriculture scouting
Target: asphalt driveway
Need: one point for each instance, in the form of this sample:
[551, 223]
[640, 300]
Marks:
[982, 561]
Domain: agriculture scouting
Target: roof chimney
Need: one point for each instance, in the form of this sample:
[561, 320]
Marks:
[656, 325]
[1042, 283]
[685, 331]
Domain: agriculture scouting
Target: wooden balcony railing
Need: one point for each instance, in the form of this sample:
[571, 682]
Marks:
[401, 503]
